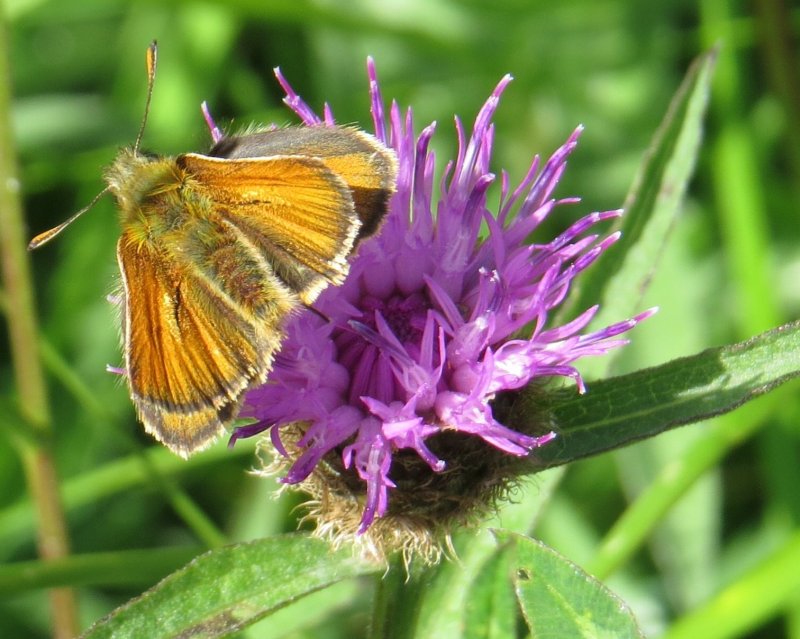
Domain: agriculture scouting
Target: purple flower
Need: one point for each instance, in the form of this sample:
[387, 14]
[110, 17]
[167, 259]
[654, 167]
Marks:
[445, 308]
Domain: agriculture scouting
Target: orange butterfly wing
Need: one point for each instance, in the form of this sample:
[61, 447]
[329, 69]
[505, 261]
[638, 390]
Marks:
[367, 166]
[191, 350]
[296, 212]
[214, 258]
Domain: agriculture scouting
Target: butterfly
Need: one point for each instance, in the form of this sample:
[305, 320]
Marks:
[218, 250]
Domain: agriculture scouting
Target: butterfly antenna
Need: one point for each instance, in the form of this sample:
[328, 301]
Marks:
[151, 58]
[45, 237]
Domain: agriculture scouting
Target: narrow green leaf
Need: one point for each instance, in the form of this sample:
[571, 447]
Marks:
[139, 567]
[652, 204]
[227, 589]
[558, 599]
[621, 410]
[763, 592]
[17, 521]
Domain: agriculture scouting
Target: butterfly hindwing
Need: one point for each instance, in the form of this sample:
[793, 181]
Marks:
[191, 350]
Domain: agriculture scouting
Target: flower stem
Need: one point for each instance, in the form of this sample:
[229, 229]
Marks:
[395, 605]
[35, 451]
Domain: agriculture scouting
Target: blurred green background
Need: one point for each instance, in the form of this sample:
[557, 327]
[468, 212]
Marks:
[730, 272]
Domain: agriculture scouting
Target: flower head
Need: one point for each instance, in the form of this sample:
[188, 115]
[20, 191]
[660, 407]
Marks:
[449, 305]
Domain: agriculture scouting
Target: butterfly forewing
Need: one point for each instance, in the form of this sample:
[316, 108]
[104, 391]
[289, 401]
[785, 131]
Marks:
[368, 167]
[295, 210]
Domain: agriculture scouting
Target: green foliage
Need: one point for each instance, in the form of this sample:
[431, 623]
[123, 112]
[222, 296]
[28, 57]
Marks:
[696, 530]
[225, 590]
[559, 599]
[622, 410]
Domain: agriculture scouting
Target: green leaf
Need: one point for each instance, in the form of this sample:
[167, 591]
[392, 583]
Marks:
[17, 521]
[226, 590]
[301, 618]
[140, 567]
[620, 410]
[558, 599]
[652, 204]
